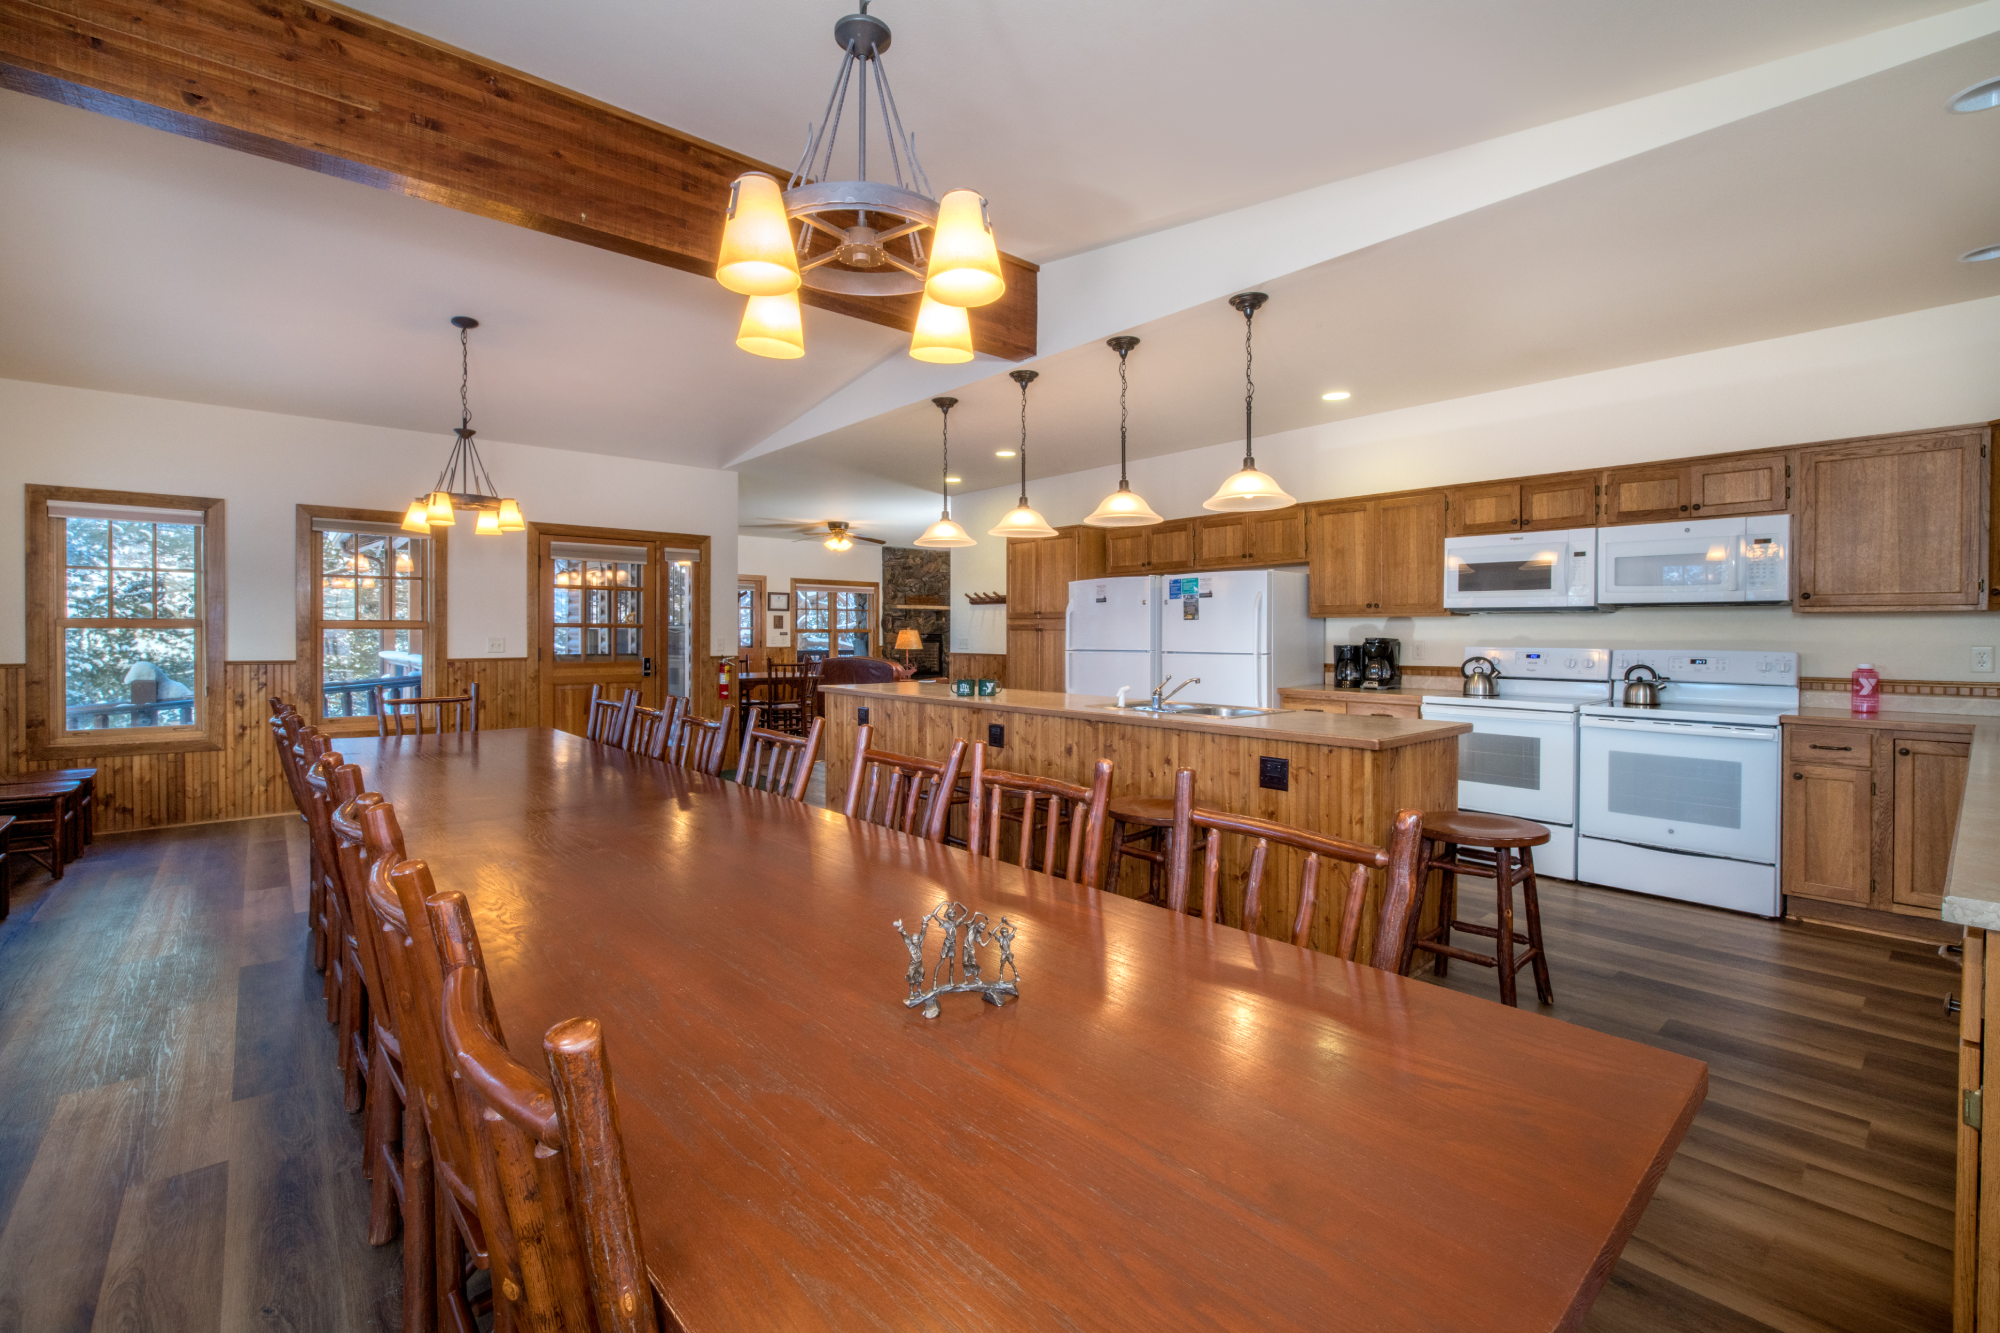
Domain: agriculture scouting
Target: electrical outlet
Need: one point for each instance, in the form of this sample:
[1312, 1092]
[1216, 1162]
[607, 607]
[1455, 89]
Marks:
[1982, 659]
[497, 644]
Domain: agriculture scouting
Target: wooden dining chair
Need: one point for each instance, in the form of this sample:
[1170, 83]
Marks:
[917, 796]
[700, 744]
[1395, 928]
[346, 938]
[557, 1203]
[285, 723]
[323, 904]
[653, 728]
[609, 722]
[1072, 816]
[777, 761]
[464, 708]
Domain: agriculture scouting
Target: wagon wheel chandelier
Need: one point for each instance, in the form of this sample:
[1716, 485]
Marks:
[464, 483]
[858, 237]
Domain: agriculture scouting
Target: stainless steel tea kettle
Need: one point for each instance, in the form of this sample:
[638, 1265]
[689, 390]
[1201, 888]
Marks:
[1643, 693]
[1480, 674]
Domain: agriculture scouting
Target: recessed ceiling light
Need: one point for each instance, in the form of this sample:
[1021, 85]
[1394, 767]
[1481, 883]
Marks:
[951, 480]
[1003, 453]
[1981, 96]
[1983, 252]
[1338, 395]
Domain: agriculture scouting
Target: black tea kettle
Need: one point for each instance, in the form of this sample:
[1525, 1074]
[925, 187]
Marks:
[1643, 693]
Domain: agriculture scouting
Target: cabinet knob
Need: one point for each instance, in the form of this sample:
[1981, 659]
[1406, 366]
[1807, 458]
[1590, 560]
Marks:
[1697, 506]
[1805, 597]
[1797, 776]
[1684, 509]
[1904, 750]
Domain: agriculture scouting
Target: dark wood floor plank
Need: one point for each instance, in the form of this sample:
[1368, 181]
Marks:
[165, 1272]
[57, 1241]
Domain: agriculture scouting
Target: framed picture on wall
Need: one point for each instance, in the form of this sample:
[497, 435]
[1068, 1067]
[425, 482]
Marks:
[778, 601]
[777, 622]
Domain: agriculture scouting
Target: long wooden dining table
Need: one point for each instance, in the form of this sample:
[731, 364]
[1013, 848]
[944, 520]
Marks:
[1176, 1125]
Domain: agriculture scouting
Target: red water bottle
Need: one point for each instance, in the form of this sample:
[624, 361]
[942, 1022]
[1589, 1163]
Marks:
[1864, 691]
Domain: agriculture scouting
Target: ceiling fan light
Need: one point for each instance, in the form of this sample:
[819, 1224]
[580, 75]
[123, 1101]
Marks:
[838, 542]
[418, 517]
[1123, 509]
[1023, 522]
[439, 511]
[946, 532]
[943, 334]
[757, 258]
[488, 524]
[772, 327]
[510, 517]
[965, 264]
[1249, 490]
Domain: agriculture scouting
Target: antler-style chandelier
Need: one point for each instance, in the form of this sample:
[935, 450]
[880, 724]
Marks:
[858, 237]
[464, 481]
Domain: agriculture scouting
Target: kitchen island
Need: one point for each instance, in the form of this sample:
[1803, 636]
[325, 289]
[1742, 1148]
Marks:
[1343, 776]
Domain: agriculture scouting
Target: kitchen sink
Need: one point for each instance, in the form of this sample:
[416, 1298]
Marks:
[1189, 710]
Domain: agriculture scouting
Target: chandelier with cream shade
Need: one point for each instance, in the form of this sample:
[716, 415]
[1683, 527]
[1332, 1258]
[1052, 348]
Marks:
[858, 237]
[946, 532]
[1121, 508]
[1023, 521]
[464, 483]
[1248, 489]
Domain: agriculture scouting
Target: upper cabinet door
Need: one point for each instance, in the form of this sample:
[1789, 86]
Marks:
[1893, 524]
[1277, 537]
[1567, 500]
[1170, 546]
[1744, 484]
[1409, 536]
[1125, 551]
[1340, 558]
[1221, 540]
[1023, 594]
[1055, 570]
[1476, 511]
[1645, 495]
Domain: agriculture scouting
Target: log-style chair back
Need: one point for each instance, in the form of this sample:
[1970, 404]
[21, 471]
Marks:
[653, 728]
[1071, 815]
[285, 722]
[609, 721]
[1399, 859]
[916, 798]
[390, 714]
[775, 761]
[700, 744]
[564, 1235]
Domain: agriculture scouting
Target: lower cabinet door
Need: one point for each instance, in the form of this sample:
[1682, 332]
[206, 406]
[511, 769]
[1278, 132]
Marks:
[1827, 819]
[1930, 781]
[1024, 658]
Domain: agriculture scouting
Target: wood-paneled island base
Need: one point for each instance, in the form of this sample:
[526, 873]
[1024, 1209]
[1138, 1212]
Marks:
[1346, 776]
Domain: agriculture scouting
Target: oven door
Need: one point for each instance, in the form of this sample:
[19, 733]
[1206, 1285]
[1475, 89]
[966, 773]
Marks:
[1671, 562]
[1709, 788]
[1527, 570]
[1515, 762]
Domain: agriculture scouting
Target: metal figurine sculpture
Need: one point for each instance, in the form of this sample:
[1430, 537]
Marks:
[965, 933]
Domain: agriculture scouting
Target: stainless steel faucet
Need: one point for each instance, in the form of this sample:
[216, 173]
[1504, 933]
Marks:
[1158, 699]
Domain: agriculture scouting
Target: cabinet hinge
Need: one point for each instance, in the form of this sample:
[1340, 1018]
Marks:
[1968, 1110]
[1788, 470]
[1788, 490]
[1871, 790]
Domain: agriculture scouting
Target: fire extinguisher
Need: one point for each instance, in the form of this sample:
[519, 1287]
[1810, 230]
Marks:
[722, 684]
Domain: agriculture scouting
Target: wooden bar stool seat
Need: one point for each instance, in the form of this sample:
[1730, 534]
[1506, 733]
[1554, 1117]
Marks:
[1142, 827]
[1499, 848]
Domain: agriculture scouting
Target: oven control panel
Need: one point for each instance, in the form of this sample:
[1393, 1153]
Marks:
[1548, 663]
[1711, 666]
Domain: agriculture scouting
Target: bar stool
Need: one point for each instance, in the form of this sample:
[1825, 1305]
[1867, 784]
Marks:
[1153, 818]
[1509, 842]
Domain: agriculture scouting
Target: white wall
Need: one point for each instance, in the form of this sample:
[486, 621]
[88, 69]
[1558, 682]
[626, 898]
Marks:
[264, 463]
[780, 560]
[1928, 368]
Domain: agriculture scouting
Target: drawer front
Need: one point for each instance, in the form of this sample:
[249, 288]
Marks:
[1385, 708]
[1830, 745]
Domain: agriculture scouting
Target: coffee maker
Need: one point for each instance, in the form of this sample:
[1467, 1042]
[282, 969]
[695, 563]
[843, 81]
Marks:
[1347, 666]
[1378, 664]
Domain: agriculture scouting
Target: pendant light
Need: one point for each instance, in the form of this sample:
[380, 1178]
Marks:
[757, 257]
[1121, 508]
[943, 334]
[944, 532]
[772, 327]
[965, 264]
[1023, 521]
[464, 482]
[1249, 489]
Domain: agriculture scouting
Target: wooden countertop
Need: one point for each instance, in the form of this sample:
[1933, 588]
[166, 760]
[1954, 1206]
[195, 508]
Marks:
[1332, 729]
[1972, 887]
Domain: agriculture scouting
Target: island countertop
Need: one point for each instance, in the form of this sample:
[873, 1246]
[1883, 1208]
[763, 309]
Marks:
[1330, 729]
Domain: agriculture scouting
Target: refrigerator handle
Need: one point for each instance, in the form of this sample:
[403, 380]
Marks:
[1266, 686]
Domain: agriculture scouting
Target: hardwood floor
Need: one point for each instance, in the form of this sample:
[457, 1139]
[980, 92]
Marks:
[173, 1153]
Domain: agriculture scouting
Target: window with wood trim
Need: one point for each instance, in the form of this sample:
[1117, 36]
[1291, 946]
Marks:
[370, 613]
[749, 613]
[125, 613]
[833, 619]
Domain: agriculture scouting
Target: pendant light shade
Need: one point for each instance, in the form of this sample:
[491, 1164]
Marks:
[943, 335]
[439, 514]
[1121, 508]
[464, 483]
[1023, 521]
[965, 264]
[510, 517]
[772, 327]
[1248, 489]
[488, 524]
[945, 532]
[757, 258]
[418, 517]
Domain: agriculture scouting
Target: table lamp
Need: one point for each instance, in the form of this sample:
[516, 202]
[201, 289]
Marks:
[907, 640]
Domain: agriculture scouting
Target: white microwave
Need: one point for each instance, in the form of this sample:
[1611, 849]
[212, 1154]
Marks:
[1521, 571]
[1705, 560]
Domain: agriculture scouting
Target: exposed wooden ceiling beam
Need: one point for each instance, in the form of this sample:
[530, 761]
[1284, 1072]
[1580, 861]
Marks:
[342, 93]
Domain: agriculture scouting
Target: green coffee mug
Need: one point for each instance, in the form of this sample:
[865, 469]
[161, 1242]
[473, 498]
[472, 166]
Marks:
[963, 687]
[988, 687]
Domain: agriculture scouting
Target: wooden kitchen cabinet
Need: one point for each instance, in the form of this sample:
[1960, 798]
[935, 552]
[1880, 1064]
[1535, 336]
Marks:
[1740, 484]
[1893, 523]
[1929, 783]
[1651, 494]
[1381, 557]
[1234, 541]
[1828, 852]
[1039, 572]
[1566, 500]
[1163, 548]
[1478, 511]
[1035, 656]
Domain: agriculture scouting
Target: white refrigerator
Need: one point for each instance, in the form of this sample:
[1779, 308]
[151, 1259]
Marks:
[1113, 636]
[1245, 632]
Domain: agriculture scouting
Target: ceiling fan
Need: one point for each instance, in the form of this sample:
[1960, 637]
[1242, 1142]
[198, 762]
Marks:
[838, 536]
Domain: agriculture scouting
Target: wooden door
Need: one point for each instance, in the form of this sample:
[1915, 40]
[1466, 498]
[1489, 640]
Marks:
[1409, 538]
[1567, 500]
[1170, 546]
[1893, 524]
[1929, 782]
[1277, 537]
[601, 612]
[1125, 551]
[1826, 831]
[1055, 570]
[1023, 589]
[1645, 494]
[1024, 657]
[1740, 484]
[1340, 558]
[1478, 510]
[1222, 541]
